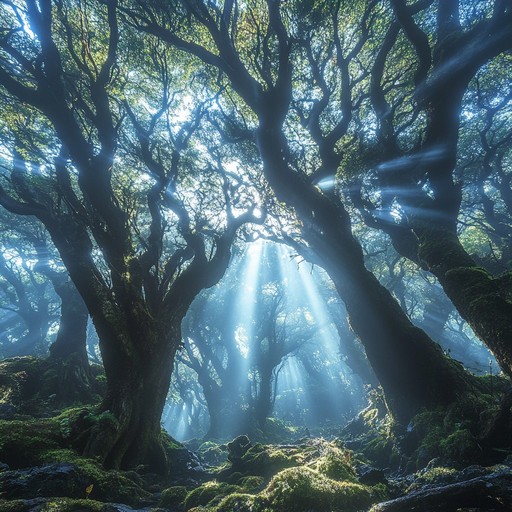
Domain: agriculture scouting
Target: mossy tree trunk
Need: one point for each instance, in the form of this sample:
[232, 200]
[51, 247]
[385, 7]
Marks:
[424, 183]
[483, 300]
[412, 369]
[138, 376]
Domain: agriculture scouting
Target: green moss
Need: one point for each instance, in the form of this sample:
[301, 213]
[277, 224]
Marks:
[267, 460]
[379, 450]
[23, 443]
[169, 442]
[53, 505]
[109, 485]
[439, 475]
[459, 446]
[233, 478]
[449, 432]
[234, 502]
[334, 464]
[276, 430]
[173, 497]
[251, 483]
[212, 453]
[306, 490]
[379, 493]
[209, 491]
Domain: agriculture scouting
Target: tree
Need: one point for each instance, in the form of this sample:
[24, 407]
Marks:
[122, 190]
[263, 51]
[413, 151]
[32, 268]
[237, 337]
[25, 296]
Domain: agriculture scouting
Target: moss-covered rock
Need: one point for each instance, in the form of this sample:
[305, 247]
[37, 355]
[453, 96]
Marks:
[208, 492]
[334, 463]
[173, 497]
[435, 475]
[452, 433]
[72, 477]
[236, 502]
[23, 443]
[303, 489]
[265, 460]
[212, 453]
[33, 386]
[251, 483]
[53, 505]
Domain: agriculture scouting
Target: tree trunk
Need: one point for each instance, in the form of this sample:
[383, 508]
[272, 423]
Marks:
[482, 300]
[72, 335]
[355, 356]
[127, 431]
[411, 368]
[263, 404]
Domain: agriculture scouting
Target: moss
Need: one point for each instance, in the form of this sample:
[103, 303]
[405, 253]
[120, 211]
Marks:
[303, 489]
[53, 505]
[233, 478]
[450, 433]
[438, 475]
[23, 443]
[267, 460]
[173, 497]
[20, 383]
[379, 493]
[209, 491]
[379, 450]
[109, 485]
[334, 463]
[276, 430]
[251, 483]
[236, 502]
[212, 453]
[460, 445]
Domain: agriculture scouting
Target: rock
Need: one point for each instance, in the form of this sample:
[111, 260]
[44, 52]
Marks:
[186, 468]
[60, 479]
[70, 480]
[238, 448]
[369, 475]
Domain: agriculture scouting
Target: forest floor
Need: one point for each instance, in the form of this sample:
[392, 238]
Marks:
[441, 461]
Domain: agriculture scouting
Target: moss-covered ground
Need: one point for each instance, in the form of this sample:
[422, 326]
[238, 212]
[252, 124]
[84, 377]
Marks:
[371, 460]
